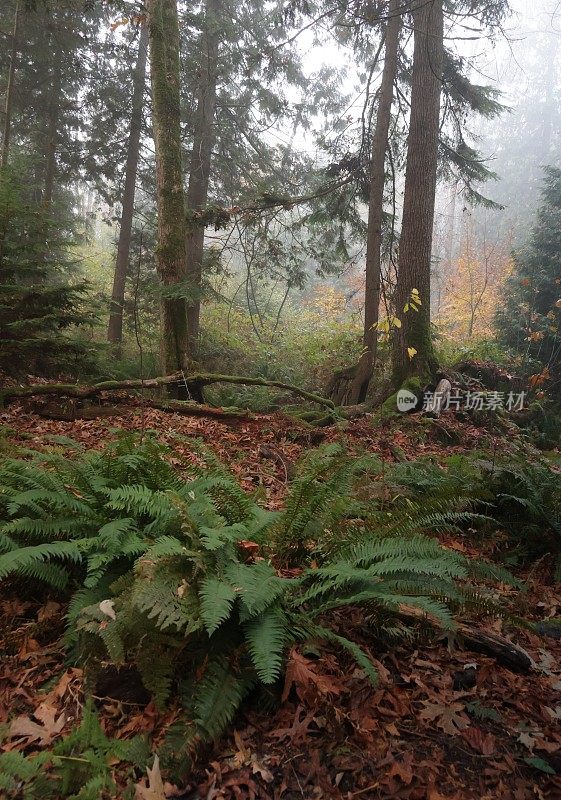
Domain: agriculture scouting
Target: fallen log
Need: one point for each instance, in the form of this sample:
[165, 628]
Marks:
[122, 409]
[500, 648]
[507, 653]
[193, 382]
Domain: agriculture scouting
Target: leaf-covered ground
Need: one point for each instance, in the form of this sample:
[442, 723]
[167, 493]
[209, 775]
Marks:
[425, 733]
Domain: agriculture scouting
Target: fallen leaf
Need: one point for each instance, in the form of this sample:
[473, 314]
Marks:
[481, 742]
[301, 673]
[44, 732]
[448, 718]
[403, 769]
[527, 740]
[540, 764]
[108, 608]
[299, 728]
[48, 611]
[258, 768]
[155, 788]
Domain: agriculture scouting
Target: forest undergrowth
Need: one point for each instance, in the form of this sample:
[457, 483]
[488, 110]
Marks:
[294, 625]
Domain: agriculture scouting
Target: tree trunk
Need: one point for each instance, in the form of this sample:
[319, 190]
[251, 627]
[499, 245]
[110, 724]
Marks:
[115, 327]
[367, 360]
[170, 254]
[413, 352]
[10, 90]
[197, 193]
[4, 153]
[52, 138]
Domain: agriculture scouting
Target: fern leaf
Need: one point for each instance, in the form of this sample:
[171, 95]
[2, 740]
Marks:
[27, 556]
[217, 599]
[218, 697]
[267, 638]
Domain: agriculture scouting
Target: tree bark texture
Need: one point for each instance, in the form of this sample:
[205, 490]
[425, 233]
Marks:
[163, 31]
[115, 327]
[199, 176]
[418, 204]
[10, 90]
[53, 117]
[367, 360]
[193, 382]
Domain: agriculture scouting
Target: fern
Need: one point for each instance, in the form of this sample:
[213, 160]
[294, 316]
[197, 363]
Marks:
[320, 496]
[216, 599]
[258, 585]
[122, 525]
[157, 664]
[25, 557]
[218, 697]
[79, 767]
[267, 638]
[352, 648]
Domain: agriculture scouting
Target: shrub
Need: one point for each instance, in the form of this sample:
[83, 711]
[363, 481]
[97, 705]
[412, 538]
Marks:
[173, 575]
[527, 504]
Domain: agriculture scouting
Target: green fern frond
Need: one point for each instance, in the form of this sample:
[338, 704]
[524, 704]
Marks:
[139, 499]
[26, 557]
[257, 585]
[217, 599]
[267, 637]
[156, 665]
[218, 696]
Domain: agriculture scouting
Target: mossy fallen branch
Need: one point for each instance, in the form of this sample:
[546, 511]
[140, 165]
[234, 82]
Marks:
[193, 382]
[182, 407]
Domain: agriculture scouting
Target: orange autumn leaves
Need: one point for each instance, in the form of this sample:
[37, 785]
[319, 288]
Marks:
[472, 290]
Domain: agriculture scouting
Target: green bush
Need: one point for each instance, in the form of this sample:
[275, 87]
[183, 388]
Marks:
[159, 574]
[528, 317]
[527, 505]
[521, 498]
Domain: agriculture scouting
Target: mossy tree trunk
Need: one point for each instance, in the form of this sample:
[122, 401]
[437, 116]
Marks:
[115, 327]
[199, 176]
[413, 353]
[163, 31]
[367, 360]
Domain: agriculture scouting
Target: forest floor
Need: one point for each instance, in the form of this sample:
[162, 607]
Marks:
[419, 735]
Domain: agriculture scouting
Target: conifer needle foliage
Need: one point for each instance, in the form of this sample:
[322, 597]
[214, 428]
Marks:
[157, 576]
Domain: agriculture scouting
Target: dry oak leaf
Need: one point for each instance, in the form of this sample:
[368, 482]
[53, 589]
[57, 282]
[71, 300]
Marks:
[155, 788]
[446, 717]
[434, 794]
[481, 742]
[300, 672]
[299, 729]
[44, 732]
[403, 769]
[527, 739]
